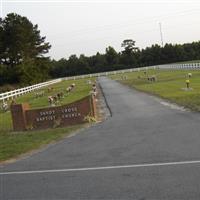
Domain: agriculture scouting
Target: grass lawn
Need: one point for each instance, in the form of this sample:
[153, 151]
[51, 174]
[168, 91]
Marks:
[169, 85]
[13, 144]
[81, 90]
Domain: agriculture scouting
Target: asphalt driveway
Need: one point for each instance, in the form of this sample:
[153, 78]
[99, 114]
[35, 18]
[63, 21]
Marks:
[148, 149]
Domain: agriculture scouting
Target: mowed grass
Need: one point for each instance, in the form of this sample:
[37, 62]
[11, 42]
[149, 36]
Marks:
[81, 90]
[169, 85]
[13, 143]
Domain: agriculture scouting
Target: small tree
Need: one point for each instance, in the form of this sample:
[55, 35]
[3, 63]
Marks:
[128, 56]
[129, 46]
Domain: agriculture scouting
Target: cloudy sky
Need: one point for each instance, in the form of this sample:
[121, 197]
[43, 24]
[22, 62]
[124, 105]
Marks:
[85, 27]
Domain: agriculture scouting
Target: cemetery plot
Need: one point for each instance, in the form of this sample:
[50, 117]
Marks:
[179, 86]
[13, 144]
[55, 95]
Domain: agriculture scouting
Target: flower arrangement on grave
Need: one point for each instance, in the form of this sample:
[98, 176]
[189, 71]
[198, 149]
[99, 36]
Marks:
[89, 118]
[29, 127]
[57, 123]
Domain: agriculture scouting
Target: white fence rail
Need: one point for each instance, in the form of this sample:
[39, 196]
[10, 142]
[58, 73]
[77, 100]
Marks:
[21, 91]
[192, 66]
[189, 66]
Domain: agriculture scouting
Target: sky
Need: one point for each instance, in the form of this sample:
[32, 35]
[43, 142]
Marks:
[86, 27]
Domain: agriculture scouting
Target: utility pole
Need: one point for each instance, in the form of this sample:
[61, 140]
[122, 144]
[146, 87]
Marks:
[161, 35]
[1, 8]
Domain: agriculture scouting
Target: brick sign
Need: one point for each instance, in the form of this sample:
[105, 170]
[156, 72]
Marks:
[51, 117]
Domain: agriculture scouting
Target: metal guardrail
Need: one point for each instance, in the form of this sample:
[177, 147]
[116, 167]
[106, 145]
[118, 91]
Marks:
[21, 91]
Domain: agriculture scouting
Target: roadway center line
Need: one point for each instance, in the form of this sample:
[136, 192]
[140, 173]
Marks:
[102, 168]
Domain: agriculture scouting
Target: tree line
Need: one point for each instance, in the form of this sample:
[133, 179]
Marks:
[23, 60]
[130, 57]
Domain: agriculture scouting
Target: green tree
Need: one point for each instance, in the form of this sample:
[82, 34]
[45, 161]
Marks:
[22, 50]
[128, 55]
[129, 46]
[27, 72]
[84, 64]
[111, 56]
[21, 40]
[58, 68]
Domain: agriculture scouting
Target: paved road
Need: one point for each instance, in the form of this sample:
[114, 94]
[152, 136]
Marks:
[142, 133]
